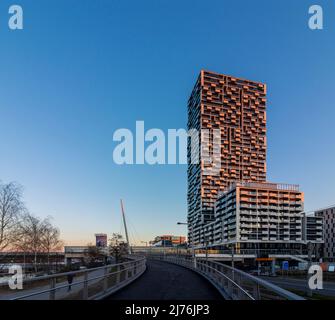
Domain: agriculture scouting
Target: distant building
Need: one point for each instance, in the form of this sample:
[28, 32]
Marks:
[168, 240]
[328, 216]
[101, 240]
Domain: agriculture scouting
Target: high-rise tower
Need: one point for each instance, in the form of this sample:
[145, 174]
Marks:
[238, 108]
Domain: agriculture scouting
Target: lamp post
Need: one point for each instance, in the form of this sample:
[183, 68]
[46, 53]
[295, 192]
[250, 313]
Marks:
[232, 259]
[206, 246]
[190, 242]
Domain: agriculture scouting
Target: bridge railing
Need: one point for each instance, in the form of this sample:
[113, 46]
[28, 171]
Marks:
[233, 283]
[87, 284]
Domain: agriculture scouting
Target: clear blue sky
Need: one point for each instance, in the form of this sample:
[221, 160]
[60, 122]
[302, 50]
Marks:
[81, 69]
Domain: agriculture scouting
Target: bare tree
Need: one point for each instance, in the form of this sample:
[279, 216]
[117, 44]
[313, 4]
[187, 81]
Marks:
[21, 245]
[30, 234]
[21, 231]
[11, 209]
[94, 255]
[35, 235]
[118, 248]
[50, 238]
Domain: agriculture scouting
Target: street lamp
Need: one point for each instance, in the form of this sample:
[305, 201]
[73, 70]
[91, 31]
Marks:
[146, 243]
[232, 259]
[190, 242]
[186, 224]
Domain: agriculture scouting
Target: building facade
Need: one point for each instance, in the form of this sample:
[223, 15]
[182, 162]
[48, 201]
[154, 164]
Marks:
[237, 108]
[101, 240]
[263, 212]
[328, 216]
[313, 229]
[174, 240]
[262, 216]
[236, 206]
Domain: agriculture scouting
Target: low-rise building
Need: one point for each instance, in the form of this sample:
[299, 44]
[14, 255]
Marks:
[169, 239]
[267, 217]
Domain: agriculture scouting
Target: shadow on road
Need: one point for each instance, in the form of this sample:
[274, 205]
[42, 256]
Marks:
[165, 281]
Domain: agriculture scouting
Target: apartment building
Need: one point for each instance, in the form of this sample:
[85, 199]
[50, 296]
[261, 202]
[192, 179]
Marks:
[262, 215]
[236, 205]
[313, 228]
[328, 217]
[238, 108]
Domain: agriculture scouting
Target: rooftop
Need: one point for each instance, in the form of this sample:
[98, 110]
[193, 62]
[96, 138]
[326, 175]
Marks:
[264, 185]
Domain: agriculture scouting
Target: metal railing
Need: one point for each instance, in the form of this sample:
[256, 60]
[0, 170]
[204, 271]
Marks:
[87, 284]
[233, 283]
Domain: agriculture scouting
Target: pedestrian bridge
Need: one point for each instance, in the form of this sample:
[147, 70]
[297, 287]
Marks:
[152, 277]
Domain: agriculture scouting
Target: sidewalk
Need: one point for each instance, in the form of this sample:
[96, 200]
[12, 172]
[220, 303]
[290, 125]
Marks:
[60, 293]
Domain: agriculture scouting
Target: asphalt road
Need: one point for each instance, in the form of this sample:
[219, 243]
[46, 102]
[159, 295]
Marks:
[165, 281]
[301, 285]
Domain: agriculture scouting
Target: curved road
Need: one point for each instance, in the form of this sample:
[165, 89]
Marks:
[165, 281]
